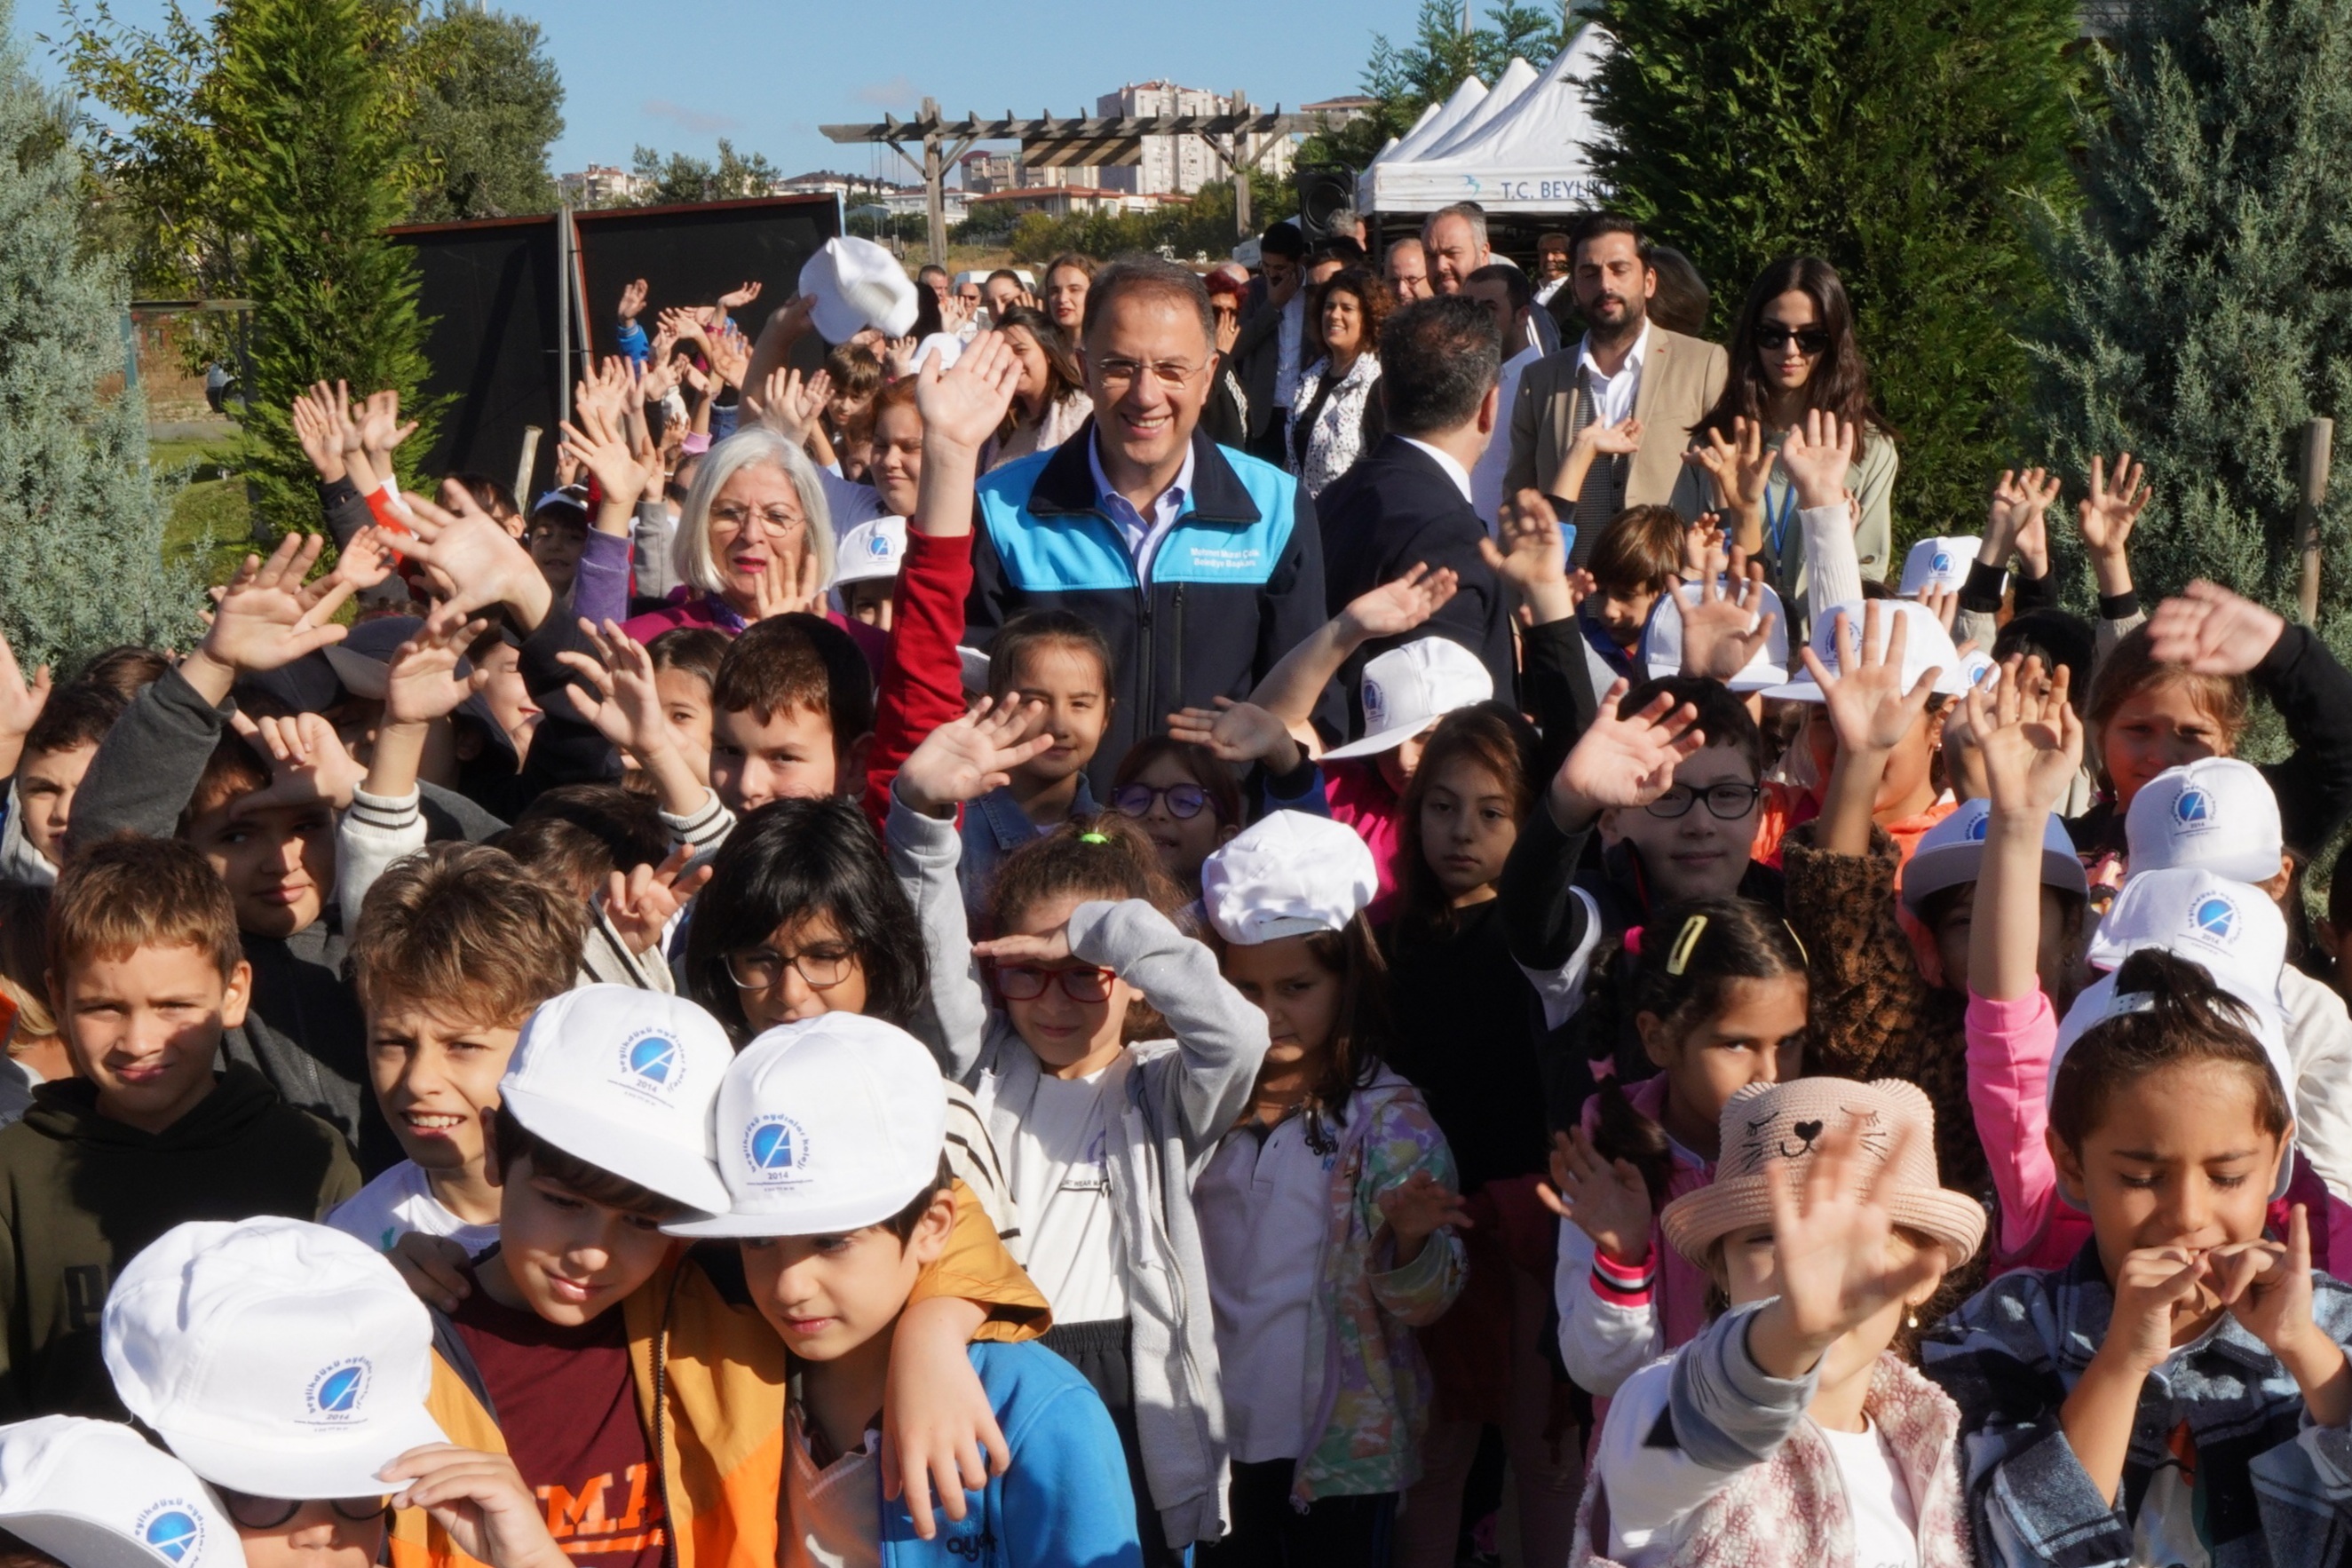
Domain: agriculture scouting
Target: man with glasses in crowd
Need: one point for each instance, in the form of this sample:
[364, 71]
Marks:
[1202, 566]
[1625, 366]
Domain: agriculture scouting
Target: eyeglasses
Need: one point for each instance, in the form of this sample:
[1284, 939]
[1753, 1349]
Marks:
[1022, 982]
[1136, 800]
[1773, 337]
[763, 968]
[1121, 373]
[1725, 802]
[270, 1512]
[775, 519]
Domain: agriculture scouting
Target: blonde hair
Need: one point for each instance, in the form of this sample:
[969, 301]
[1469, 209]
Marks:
[754, 446]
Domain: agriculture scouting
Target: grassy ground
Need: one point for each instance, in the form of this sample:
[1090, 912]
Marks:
[209, 508]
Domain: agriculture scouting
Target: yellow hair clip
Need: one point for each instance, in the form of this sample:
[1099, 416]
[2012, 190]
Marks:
[1678, 956]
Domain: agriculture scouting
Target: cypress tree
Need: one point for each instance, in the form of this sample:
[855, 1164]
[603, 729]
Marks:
[2205, 285]
[1899, 139]
[309, 114]
[82, 517]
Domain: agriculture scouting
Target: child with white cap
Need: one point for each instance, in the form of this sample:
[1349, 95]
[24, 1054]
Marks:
[831, 1136]
[615, 1369]
[865, 573]
[1326, 1216]
[78, 1493]
[287, 1365]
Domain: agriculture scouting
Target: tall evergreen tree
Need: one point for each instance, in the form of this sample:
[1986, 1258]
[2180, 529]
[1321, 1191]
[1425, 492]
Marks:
[1901, 140]
[1408, 78]
[309, 120]
[2205, 285]
[81, 520]
[488, 103]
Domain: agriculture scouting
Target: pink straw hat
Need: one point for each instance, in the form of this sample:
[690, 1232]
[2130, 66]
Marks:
[1789, 1120]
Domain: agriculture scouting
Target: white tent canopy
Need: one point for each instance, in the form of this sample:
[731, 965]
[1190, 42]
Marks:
[1508, 89]
[1528, 157]
[1429, 128]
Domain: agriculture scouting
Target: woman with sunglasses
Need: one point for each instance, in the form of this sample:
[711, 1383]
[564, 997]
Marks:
[1793, 353]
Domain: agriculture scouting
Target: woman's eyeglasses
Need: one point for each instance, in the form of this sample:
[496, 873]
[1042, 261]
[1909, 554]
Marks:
[763, 968]
[1772, 337]
[1022, 983]
[1725, 802]
[270, 1512]
[1136, 800]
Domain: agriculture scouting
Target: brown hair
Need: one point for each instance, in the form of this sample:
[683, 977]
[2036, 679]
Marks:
[1024, 633]
[1374, 300]
[120, 895]
[798, 661]
[1215, 779]
[1106, 857]
[580, 834]
[1639, 551]
[899, 393]
[902, 1223]
[126, 669]
[467, 930]
[2189, 1019]
[1072, 259]
[1361, 1027]
[24, 954]
[1063, 374]
[1498, 740]
[1840, 383]
[78, 715]
[855, 369]
[2131, 667]
[234, 769]
[513, 1141]
[699, 649]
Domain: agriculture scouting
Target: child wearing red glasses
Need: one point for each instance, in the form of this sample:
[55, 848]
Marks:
[1109, 1056]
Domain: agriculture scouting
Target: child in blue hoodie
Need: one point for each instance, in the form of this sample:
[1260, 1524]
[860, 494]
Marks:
[832, 1137]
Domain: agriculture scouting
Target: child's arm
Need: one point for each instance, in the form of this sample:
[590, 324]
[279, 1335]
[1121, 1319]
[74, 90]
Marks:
[1817, 456]
[1407, 1202]
[1871, 714]
[1594, 441]
[1606, 1279]
[1250, 736]
[1291, 689]
[20, 704]
[617, 694]
[383, 822]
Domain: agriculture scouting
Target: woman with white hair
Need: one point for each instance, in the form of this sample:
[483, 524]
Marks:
[755, 539]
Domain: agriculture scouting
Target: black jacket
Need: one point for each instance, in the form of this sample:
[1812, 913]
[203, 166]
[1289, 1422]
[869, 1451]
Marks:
[1396, 508]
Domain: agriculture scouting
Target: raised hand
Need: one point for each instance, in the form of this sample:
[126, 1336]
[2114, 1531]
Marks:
[686, 326]
[899, 355]
[1868, 706]
[1529, 553]
[966, 758]
[1943, 603]
[481, 1499]
[599, 443]
[307, 763]
[1229, 332]
[1739, 466]
[1622, 762]
[2108, 515]
[633, 298]
[366, 559]
[381, 430]
[640, 903]
[474, 560]
[1729, 625]
[1238, 733]
[2267, 1287]
[422, 683]
[963, 405]
[265, 619]
[742, 294]
[2027, 736]
[1613, 440]
[320, 431]
[1606, 1199]
[954, 312]
[1830, 1236]
[1400, 604]
[791, 405]
[659, 379]
[2213, 631]
[21, 701]
[1416, 1209]
[788, 587]
[1817, 454]
[618, 695]
[731, 356]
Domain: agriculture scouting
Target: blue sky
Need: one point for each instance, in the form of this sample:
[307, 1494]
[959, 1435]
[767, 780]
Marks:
[766, 74]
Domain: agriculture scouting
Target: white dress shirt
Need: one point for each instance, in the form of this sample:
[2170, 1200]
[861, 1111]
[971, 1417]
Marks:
[1143, 535]
[1613, 396]
[1487, 479]
[1454, 470]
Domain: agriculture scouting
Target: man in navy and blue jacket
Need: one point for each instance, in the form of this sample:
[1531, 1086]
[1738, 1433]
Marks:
[1202, 566]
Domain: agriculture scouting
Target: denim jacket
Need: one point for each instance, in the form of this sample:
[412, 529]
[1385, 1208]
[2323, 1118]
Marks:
[994, 826]
[2269, 1487]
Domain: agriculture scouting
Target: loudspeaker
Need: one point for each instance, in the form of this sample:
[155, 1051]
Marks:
[1322, 194]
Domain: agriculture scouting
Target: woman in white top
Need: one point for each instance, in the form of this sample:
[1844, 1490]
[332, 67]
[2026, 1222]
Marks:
[1049, 402]
[1336, 415]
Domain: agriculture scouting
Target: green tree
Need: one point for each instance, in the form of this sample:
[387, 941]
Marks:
[81, 517]
[311, 153]
[1408, 77]
[1903, 141]
[2205, 285]
[489, 104]
[682, 177]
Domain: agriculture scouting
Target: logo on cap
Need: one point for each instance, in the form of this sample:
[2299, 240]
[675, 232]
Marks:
[337, 1391]
[776, 1149]
[877, 545]
[1978, 826]
[1943, 563]
[1376, 706]
[2216, 916]
[173, 1528]
[2192, 810]
[652, 1063]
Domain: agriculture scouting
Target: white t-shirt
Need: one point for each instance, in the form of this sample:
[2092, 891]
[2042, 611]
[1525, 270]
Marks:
[833, 1517]
[1062, 1195]
[401, 1201]
[1886, 1523]
[849, 503]
[1265, 1213]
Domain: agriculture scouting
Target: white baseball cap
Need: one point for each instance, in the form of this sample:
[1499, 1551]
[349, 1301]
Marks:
[1952, 853]
[1290, 873]
[857, 284]
[874, 548]
[1928, 647]
[825, 1125]
[627, 1081]
[276, 1358]
[1408, 688]
[95, 1494]
[1940, 563]
[1662, 641]
[2216, 815]
[2234, 930]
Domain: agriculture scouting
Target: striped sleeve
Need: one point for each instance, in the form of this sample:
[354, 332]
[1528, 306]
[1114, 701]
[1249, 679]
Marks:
[971, 1155]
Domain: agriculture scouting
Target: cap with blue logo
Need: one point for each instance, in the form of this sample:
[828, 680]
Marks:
[1940, 563]
[1926, 646]
[2216, 815]
[825, 1126]
[95, 1494]
[274, 1357]
[1408, 688]
[874, 548]
[1952, 853]
[1661, 653]
[2232, 929]
[626, 1080]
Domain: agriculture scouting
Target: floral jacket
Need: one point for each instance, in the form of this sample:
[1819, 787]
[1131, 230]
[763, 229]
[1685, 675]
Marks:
[1371, 1399]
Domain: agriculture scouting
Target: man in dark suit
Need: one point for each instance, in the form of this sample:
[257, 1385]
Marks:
[1408, 501]
[1272, 348]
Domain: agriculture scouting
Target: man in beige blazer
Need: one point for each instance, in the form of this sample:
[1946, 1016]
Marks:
[1625, 364]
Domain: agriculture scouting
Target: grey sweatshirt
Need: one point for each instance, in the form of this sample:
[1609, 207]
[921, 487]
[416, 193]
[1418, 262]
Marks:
[1179, 1097]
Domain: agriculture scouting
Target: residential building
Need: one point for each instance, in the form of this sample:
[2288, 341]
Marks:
[599, 186]
[1180, 165]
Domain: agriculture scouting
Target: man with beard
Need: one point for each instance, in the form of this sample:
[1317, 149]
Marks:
[1626, 366]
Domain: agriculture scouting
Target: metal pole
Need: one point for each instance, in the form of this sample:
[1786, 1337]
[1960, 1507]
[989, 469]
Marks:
[1241, 227]
[531, 435]
[934, 171]
[2318, 443]
[564, 312]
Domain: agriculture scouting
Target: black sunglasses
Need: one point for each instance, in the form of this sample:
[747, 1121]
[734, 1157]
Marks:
[1773, 335]
[270, 1512]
